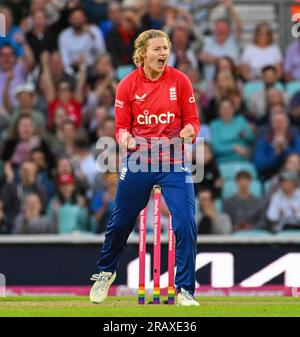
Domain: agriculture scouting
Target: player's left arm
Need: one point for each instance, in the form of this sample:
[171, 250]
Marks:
[190, 118]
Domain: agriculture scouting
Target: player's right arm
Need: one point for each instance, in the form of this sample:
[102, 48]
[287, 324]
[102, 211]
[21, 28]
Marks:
[123, 116]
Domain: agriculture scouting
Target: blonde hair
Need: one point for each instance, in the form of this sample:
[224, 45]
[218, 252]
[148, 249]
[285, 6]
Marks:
[141, 44]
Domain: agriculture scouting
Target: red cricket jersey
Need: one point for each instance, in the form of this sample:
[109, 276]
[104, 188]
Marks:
[159, 108]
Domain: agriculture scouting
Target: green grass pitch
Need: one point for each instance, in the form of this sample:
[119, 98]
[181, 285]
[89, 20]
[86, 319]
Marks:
[58, 306]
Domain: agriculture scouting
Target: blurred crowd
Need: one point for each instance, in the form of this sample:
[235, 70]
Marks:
[60, 63]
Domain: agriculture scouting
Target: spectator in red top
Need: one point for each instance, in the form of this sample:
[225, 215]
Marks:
[62, 99]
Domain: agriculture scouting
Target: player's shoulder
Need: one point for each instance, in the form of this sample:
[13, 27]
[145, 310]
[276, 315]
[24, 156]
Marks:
[178, 75]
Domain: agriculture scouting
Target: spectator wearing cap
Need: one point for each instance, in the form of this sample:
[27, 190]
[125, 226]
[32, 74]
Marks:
[63, 99]
[260, 53]
[80, 43]
[291, 164]
[273, 148]
[31, 219]
[245, 210]
[292, 61]
[14, 192]
[284, 210]
[224, 42]
[13, 72]
[208, 218]
[67, 209]
[26, 98]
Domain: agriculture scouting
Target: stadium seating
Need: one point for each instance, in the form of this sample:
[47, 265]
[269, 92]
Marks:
[292, 88]
[230, 188]
[229, 170]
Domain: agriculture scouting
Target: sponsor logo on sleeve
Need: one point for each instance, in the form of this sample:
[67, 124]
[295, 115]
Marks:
[119, 104]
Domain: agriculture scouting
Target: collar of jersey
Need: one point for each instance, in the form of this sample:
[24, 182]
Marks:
[146, 79]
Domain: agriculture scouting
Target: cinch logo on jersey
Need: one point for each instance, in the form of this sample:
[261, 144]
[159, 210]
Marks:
[164, 118]
[173, 95]
[119, 104]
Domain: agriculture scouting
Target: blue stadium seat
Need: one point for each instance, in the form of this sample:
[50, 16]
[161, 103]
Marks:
[251, 87]
[123, 71]
[229, 170]
[289, 232]
[292, 88]
[230, 188]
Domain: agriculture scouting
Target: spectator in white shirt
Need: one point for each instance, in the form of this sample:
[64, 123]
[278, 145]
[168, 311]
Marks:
[262, 52]
[224, 42]
[80, 41]
[284, 208]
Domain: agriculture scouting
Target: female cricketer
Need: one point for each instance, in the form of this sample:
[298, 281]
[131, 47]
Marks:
[155, 100]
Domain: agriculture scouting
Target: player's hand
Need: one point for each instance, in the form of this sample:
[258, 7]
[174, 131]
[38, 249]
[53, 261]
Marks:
[187, 134]
[127, 141]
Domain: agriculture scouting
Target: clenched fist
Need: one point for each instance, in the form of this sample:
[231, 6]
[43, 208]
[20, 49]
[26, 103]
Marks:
[127, 141]
[187, 134]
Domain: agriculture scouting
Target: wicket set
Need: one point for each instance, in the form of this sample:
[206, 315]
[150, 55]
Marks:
[156, 252]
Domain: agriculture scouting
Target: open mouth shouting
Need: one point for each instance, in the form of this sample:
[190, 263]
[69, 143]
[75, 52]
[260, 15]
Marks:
[161, 62]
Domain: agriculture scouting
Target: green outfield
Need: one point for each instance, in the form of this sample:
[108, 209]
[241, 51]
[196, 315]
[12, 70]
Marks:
[37, 306]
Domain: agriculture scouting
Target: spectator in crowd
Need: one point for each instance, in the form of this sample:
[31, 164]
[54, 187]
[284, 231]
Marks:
[67, 209]
[64, 100]
[4, 225]
[44, 166]
[260, 53]
[154, 16]
[24, 138]
[291, 164]
[26, 98]
[258, 101]
[240, 108]
[224, 42]
[96, 122]
[103, 201]
[120, 39]
[272, 149]
[284, 212]
[274, 98]
[84, 162]
[13, 72]
[245, 210]
[113, 17]
[294, 109]
[208, 219]
[107, 128]
[232, 135]
[13, 193]
[61, 141]
[65, 166]
[81, 43]
[13, 34]
[181, 47]
[31, 220]
[224, 84]
[292, 61]
[40, 37]
[102, 78]
[211, 179]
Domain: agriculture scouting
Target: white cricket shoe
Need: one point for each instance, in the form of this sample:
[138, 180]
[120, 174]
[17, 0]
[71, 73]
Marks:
[99, 290]
[184, 298]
